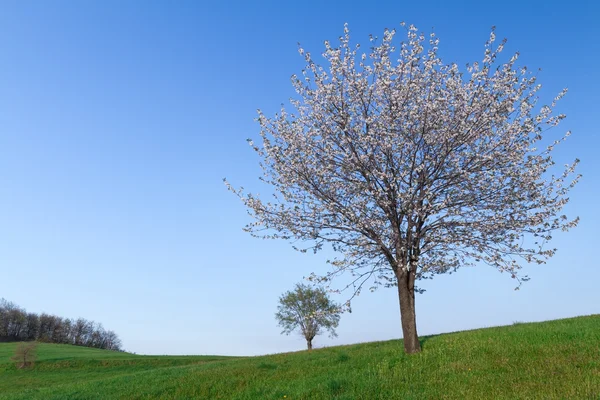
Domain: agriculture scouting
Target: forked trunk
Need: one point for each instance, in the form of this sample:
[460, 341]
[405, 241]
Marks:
[406, 293]
[309, 344]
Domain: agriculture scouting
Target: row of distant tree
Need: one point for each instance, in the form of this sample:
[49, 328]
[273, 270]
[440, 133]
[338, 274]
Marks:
[16, 324]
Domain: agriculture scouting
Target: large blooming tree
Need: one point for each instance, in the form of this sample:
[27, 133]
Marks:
[409, 167]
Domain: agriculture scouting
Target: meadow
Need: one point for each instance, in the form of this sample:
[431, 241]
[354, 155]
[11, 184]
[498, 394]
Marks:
[547, 360]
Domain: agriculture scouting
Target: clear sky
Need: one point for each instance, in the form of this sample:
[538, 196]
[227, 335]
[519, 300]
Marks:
[119, 120]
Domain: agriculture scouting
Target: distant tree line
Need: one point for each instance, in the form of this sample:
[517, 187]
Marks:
[18, 325]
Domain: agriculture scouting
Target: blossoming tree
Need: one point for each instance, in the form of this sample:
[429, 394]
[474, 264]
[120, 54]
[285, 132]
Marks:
[308, 310]
[409, 167]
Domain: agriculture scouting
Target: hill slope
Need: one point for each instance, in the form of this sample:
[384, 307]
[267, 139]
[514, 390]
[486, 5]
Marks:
[550, 360]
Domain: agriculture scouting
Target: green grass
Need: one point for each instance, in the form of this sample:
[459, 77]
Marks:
[548, 360]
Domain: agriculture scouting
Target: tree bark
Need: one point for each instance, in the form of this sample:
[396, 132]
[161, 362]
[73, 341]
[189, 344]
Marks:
[406, 294]
[309, 344]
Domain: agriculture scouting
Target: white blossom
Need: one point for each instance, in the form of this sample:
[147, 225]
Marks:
[408, 167]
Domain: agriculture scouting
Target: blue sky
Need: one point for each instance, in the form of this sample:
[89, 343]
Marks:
[119, 119]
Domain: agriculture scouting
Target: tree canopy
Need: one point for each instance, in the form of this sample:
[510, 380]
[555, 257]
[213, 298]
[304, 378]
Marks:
[308, 310]
[410, 167]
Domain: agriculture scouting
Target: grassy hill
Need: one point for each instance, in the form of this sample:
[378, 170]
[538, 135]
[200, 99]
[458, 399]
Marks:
[548, 360]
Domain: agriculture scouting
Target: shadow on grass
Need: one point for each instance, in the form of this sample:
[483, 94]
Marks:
[424, 339]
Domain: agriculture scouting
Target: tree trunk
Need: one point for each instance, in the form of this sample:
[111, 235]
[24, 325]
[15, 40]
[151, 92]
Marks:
[309, 344]
[406, 293]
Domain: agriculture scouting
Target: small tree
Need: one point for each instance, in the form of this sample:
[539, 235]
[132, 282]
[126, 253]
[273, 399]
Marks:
[308, 309]
[25, 354]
